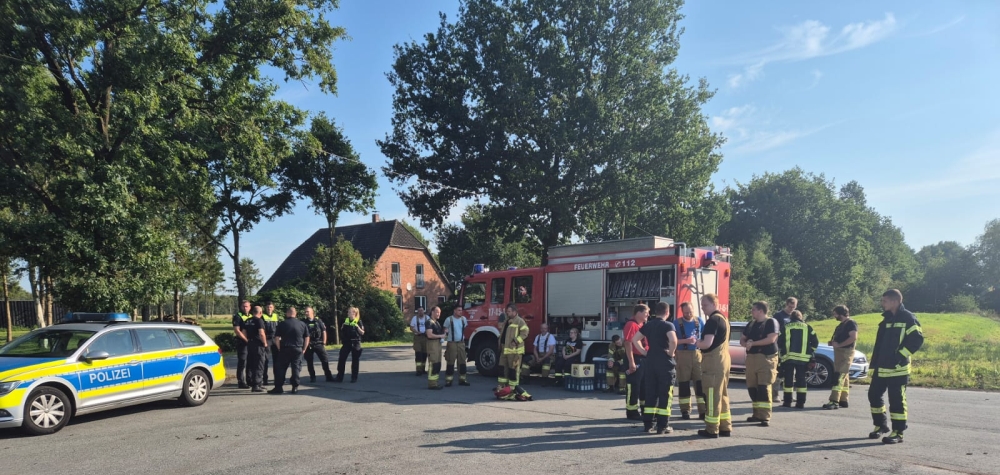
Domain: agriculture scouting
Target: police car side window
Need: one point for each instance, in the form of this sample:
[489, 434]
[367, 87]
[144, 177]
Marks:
[116, 343]
[157, 339]
[189, 338]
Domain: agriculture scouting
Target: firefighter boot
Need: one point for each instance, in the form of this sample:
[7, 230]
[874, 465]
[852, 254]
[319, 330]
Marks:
[462, 376]
[800, 400]
[753, 400]
[788, 399]
[521, 395]
[895, 437]
[879, 430]
[699, 393]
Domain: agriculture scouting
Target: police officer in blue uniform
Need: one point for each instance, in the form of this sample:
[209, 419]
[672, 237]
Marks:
[292, 338]
[239, 331]
[317, 345]
[256, 350]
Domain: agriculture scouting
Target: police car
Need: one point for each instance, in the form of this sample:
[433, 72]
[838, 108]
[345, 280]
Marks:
[94, 362]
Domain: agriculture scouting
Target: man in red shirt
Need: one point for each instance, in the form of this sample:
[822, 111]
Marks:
[635, 353]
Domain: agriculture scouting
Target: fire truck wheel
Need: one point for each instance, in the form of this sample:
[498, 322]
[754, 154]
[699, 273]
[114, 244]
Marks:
[487, 360]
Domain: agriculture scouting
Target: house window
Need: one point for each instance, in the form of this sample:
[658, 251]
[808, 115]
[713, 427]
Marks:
[420, 276]
[442, 299]
[395, 274]
[399, 303]
[496, 292]
[521, 289]
[420, 301]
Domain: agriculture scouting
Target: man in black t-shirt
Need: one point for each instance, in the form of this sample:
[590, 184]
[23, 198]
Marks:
[660, 369]
[256, 350]
[844, 338]
[760, 338]
[715, 362]
[569, 356]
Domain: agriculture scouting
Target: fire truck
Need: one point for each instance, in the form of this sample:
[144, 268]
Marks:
[592, 287]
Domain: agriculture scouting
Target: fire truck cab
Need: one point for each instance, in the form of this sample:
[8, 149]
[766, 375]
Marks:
[592, 287]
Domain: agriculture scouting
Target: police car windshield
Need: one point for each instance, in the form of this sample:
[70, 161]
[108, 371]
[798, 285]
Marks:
[47, 344]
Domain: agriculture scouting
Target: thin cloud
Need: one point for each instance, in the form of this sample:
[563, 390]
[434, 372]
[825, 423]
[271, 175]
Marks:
[767, 140]
[946, 26]
[750, 131]
[812, 39]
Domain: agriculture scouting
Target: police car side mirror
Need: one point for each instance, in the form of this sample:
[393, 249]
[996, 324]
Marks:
[96, 355]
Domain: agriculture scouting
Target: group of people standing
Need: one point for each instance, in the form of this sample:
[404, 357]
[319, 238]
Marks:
[430, 336]
[265, 337]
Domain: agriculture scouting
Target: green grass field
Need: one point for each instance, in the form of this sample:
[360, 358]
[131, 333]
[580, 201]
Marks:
[959, 351]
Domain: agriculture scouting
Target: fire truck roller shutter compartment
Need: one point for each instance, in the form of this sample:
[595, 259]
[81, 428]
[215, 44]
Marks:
[575, 300]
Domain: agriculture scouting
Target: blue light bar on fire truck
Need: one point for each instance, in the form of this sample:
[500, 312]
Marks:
[92, 317]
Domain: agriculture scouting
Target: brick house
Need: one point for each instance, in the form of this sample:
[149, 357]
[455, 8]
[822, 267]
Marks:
[403, 265]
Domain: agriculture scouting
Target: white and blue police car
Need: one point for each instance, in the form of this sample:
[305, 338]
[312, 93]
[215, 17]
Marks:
[98, 361]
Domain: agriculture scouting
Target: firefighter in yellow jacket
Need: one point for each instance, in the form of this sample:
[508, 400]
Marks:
[797, 344]
[512, 335]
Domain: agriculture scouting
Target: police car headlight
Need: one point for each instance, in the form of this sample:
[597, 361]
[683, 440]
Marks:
[8, 386]
[860, 360]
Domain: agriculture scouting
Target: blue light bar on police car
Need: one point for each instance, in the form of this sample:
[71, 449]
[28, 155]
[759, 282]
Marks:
[96, 317]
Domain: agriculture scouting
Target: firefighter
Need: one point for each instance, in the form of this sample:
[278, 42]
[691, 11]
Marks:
[797, 345]
[617, 364]
[689, 329]
[317, 346]
[239, 331]
[635, 353]
[714, 347]
[418, 324]
[783, 317]
[455, 327]
[271, 321]
[844, 338]
[569, 356]
[760, 338]
[512, 335]
[350, 332]
[435, 334]
[542, 357]
[659, 373]
[256, 350]
[899, 336]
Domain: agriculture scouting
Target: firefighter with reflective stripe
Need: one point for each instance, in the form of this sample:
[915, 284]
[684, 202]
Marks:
[842, 342]
[617, 364]
[760, 338]
[455, 327]
[659, 373]
[512, 335]
[689, 329]
[635, 354]
[239, 331]
[544, 354]
[435, 336]
[798, 343]
[571, 351]
[715, 362]
[317, 345]
[271, 321]
[418, 324]
[899, 337]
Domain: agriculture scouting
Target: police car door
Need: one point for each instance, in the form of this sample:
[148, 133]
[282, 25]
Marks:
[116, 377]
[162, 359]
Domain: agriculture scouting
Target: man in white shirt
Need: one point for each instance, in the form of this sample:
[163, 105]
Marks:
[454, 326]
[418, 324]
[542, 356]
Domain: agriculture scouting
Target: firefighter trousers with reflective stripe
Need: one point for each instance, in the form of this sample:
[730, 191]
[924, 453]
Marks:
[896, 386]
[841, 376]
[795, 381]
[762, 370]
[510, 370]
[634, 389]
[659, 384]
[434, 360]
[420, 351]
[688, 372]
[455, 353]
[715, 381]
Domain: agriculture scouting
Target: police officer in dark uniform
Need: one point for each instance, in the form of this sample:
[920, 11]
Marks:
[239, 331]
[350, 332]
[271, 321]
[257, 343]
[292, 338]
[317, 345]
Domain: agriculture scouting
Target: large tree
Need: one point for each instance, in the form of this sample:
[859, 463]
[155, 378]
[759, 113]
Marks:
[326, 170]
[986, 251]
[108, 109]
[479, 240]
[949, 270]
[555, 111]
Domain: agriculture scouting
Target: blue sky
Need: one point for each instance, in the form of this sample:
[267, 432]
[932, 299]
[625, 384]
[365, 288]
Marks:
[900, 96]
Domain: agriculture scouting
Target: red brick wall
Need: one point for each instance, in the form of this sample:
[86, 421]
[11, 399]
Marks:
[408, 259]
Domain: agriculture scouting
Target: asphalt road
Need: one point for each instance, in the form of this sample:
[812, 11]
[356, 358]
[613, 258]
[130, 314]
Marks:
[390, 423]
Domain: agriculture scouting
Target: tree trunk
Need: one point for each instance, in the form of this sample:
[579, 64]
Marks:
[177, 302]
[241, 289]
[145, 313]
[6, 308]
[159, 311]
[332, 223]
[35, 296]
[49, 317]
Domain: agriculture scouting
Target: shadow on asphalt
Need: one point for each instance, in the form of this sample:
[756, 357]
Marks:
[746, 452]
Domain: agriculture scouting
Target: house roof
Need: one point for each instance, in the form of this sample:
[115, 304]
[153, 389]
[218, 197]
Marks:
[369, 239]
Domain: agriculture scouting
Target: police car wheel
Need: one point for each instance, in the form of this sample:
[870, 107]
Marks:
[46, 411]
[819, 376]
[196, 387]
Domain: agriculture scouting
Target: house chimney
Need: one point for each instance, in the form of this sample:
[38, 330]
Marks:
[376, 218]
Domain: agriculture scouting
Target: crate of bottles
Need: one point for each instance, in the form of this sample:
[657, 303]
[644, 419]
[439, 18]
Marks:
[579, 384]
[600, 373]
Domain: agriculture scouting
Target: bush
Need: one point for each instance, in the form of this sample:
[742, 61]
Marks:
[226, 342]
[380, 315]
[962, 304]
